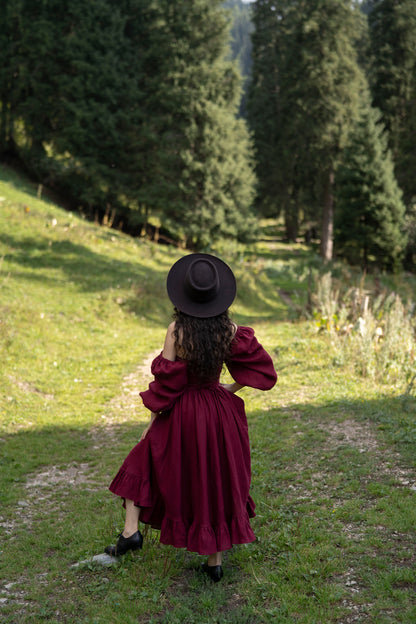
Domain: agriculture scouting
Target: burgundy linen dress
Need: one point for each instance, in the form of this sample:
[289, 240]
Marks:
[191, 474]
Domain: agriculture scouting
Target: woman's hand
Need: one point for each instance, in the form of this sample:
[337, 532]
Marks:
[232, 387]
[146, 431]
[169, 348]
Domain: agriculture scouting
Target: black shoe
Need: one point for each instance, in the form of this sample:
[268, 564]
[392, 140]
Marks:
[214, 572]
[134, 542]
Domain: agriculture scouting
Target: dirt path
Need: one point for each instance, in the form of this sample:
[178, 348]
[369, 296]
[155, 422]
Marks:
[388, 468]
[41, 486]
[126, 404]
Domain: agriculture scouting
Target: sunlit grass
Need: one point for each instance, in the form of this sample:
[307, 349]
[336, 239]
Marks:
[333, 456]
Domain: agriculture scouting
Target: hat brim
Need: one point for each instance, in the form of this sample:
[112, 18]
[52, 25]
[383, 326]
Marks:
[175, 285]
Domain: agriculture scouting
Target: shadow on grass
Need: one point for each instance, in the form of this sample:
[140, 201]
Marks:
[21, 183]
[90, 271]
[393, 419]
[26, 451]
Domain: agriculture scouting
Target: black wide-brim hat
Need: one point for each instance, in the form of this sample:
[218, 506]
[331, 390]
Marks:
[201, 285]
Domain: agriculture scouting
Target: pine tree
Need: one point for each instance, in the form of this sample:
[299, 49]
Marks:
[240, 43]
[370, 212]
[75, 93]
[263, 106]
[393, 46]
[9, 70]
[240, 31]
[304, 100]
[130, 104]
[201, 175]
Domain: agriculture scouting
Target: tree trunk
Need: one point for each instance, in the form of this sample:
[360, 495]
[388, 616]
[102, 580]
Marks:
[327, 239]
[291, 223]
[5, 124]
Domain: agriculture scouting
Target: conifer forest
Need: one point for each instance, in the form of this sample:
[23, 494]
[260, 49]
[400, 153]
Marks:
[191, 121]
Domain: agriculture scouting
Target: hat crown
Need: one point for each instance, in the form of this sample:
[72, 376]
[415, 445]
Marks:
[202, 281]
[201, 285]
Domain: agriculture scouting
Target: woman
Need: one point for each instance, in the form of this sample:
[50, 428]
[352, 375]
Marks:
[189, 476]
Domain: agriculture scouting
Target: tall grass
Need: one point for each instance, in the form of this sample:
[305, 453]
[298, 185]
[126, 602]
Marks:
[372, 332]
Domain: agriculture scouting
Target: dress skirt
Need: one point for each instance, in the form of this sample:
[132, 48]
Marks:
[191, 474]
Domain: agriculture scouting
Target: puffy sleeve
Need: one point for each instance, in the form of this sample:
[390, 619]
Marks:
[250, 364]
[170, 379]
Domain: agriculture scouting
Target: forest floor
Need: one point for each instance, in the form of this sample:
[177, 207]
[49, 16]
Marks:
[83, 311]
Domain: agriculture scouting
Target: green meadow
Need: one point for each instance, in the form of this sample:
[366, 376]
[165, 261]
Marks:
[83, 310]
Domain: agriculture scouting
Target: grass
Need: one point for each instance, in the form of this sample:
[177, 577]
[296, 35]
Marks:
[333, 453]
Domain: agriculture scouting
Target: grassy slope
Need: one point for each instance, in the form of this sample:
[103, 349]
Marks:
[333, 456]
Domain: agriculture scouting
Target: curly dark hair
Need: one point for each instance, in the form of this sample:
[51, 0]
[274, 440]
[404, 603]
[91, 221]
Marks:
[203, 342]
